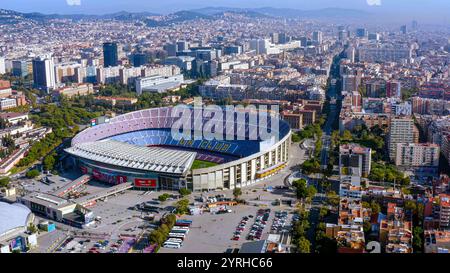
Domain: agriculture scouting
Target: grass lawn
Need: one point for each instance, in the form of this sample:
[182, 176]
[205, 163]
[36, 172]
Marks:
[200, 164]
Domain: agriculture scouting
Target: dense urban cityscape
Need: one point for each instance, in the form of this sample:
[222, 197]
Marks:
[358, 161]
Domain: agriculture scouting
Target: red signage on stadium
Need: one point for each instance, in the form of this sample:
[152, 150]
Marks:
[151, 183]
[104, 177]
[84, 170]
[121, 179]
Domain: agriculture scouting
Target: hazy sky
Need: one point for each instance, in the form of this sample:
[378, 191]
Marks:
[417, 8]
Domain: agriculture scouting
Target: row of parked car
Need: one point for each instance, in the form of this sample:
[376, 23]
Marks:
[240, 228]
[257, 229]
[279, 222]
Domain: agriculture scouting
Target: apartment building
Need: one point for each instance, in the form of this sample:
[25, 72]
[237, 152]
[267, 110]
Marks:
[402, 130]
[417, 155]
[354, 160]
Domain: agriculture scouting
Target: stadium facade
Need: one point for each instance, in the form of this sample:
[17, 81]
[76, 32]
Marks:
[141, 147]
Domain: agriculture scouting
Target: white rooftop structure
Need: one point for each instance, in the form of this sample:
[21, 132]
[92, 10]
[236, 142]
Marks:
[12, 217]
[135, 157]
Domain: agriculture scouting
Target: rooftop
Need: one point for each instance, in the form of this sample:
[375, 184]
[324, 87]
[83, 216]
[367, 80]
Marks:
[135, 157]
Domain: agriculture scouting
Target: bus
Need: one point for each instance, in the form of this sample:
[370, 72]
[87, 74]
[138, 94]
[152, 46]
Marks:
[177, 235]
[182, 224]
[184, 231]
[175, 240]
[178, 227]
[171, 245]
[183, 221]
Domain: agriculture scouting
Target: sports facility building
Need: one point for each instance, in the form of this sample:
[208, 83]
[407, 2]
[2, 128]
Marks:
[140, 147]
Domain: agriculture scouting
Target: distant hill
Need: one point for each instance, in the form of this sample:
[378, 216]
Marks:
[10, 16]
[287, 12]
[177, 17]
[207, 13]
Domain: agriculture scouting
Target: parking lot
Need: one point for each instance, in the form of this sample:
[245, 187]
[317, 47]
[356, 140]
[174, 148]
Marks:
[213, 233]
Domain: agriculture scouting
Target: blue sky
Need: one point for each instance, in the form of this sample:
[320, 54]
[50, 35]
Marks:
[424, 8]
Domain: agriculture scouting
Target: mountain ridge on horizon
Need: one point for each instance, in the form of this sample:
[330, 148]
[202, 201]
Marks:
[209, 10]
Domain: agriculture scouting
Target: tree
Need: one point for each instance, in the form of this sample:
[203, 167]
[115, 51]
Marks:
[49, 162]
[310, 166]
[3, 123]
[169, 220]
[237, 192]
[4, 181]
[164, 229]
[418, 239]
[32, 174]
[375, 207]
[157, 237]
[332, 198]
[163, 197]
[184, 192]
[296, 138]
[311, 191]
[301, 189]
[303, 245]
[411, 205]
[367, 227]
[347, 136]
[323, 212]
[182, 206]
[32, 228]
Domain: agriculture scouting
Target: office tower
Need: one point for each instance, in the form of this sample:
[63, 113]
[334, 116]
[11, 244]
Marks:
[259, 45]
[303, 41]
[275, 38]
[182, 46]
[402, 130]
[283, 38]
[415, 25]
[20, 68]
[342, 36]
[393, 89]
[350, 54]
[139, 59]
[2, 66]
[110, 54]
[317, 37]
[171, 49]
[404, 29]
[354, 160]
[374, 37]
[229, 50]
[361, 33]
[44, 73]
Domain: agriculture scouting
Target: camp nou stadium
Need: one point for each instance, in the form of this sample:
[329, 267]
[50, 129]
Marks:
[140, 148]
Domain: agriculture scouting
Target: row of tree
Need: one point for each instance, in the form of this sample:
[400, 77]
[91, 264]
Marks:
[159, 235]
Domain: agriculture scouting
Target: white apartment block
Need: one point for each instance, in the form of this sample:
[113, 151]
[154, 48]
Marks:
[401, 131]
[417, 155]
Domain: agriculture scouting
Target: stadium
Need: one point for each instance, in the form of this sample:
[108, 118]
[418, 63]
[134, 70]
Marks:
[140, 148]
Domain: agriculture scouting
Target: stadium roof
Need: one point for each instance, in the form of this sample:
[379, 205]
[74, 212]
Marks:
[136, 157]
[12, 216]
